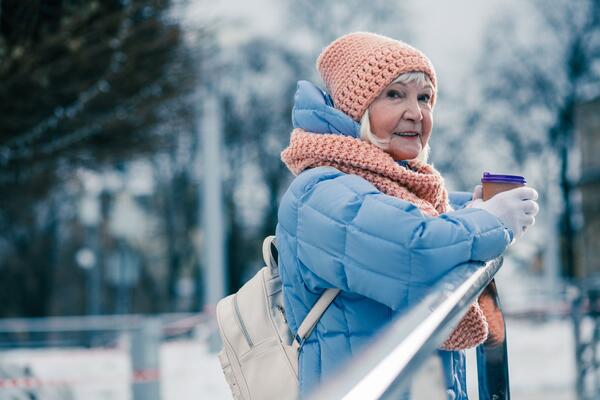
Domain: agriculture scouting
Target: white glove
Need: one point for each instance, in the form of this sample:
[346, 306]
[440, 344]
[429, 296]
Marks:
[515, 208]
[477, 192]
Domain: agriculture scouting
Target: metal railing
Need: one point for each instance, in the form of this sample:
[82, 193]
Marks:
[384, 370]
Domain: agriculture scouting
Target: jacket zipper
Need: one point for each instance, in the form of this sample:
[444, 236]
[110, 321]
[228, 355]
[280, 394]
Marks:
[239, 318]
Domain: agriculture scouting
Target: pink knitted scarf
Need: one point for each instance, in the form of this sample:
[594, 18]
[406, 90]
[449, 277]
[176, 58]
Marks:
[420, 184]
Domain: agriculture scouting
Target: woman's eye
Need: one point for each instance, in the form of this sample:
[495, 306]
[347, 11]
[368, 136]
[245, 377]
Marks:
[425, 98]
[394, 94]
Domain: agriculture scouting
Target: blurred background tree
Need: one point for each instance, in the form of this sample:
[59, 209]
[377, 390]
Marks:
[258, 80]
[256, 92]
[100, 126]
[532, 87]
[89, 85]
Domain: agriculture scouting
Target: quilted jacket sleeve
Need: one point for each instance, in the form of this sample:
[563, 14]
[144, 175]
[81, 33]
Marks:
[459, 200]
[353, 237]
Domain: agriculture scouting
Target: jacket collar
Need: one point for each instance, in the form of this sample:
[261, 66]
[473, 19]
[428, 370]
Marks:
[315, 112]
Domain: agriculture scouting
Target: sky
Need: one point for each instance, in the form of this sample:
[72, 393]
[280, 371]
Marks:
[451, 34]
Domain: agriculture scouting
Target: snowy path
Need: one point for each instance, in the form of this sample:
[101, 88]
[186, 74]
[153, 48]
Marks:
[188, 370]
[541, 361]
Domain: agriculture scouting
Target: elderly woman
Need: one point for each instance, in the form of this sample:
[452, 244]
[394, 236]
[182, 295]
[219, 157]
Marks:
[366, 214]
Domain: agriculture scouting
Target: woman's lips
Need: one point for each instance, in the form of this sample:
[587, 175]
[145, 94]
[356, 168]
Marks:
[408, 134]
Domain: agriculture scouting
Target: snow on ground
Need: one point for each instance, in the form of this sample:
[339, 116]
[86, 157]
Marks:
[192, 372]
[188, 369]
[541, 352]
[540, 355]
[89, 374]
[541, 360]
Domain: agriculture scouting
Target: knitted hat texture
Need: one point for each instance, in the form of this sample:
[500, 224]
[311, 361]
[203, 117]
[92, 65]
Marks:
[358, 66]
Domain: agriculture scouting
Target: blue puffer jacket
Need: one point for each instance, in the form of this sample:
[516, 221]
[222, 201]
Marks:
[338, 230]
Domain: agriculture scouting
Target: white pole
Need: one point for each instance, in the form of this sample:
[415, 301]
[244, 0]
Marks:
[212, 211]
[145, 359]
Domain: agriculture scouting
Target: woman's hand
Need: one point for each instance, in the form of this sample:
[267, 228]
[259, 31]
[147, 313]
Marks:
[515, 208]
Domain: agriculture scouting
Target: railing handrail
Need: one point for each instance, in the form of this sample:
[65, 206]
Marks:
[80, 323]
[385, 368]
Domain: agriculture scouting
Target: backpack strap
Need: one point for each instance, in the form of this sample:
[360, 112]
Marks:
[313, 316]
[269, 250]
[270, 255]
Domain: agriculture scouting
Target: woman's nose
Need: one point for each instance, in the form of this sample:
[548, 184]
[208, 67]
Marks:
[413, 111]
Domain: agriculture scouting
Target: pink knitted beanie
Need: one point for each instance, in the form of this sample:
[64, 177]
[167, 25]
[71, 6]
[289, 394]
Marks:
[358, 66]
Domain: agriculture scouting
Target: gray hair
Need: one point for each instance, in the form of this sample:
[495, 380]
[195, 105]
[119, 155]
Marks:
[367, 135]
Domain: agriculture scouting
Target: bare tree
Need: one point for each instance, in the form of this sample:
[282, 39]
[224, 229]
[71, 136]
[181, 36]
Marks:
[325, 21]
[85, 82]
[82, 84]
[257, 80]
[532, 87]
[256, 89]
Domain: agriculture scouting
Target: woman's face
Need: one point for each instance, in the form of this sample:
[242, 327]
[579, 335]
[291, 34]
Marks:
[401, 115]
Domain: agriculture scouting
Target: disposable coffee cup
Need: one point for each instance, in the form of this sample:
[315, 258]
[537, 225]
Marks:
[496, 183]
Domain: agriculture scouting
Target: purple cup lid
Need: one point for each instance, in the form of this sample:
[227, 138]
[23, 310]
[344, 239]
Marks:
[497, 178]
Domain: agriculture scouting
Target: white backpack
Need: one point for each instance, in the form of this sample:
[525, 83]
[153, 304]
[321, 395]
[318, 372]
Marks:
[260, 353]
